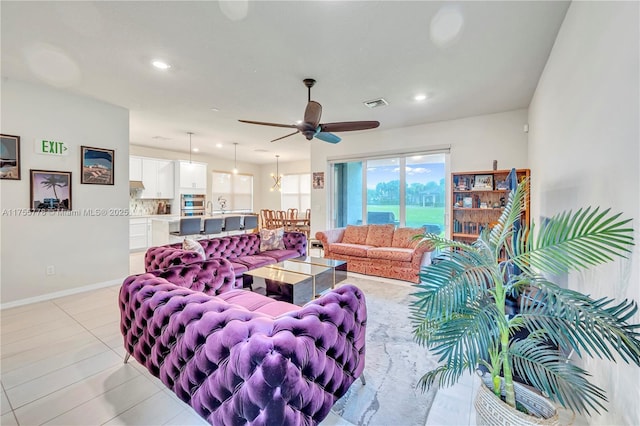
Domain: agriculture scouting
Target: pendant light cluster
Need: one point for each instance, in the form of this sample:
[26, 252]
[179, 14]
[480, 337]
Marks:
[277, 178]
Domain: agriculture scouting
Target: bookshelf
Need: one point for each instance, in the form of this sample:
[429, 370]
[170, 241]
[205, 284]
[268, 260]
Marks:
[478, 199]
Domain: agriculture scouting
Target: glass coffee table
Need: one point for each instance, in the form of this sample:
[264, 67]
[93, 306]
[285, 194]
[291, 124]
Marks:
[299, 280]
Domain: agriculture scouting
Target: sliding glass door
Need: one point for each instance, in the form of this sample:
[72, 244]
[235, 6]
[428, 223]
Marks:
[404, 190]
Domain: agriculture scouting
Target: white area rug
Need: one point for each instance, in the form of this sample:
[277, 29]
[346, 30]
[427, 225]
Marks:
[394, 362]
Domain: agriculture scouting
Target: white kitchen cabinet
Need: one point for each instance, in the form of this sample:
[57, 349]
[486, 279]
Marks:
[135, 168]
[139, 233]
[191, 177]
[158, 178]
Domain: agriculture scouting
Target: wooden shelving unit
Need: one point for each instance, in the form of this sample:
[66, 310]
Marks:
[478, 200]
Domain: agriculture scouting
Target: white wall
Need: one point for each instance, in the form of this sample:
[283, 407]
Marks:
[85, 250]
[475, 142]
[584, 150]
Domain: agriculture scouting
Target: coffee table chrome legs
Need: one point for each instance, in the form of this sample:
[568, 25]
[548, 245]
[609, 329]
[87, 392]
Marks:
[126, 358]
[362, 379]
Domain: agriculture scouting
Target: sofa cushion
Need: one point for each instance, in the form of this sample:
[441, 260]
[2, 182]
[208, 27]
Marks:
[355, 234]
[390, 253]
[380, 235]
[350, 249]
[255, 261]
[271, 239]
[280, 255]
[403, 237]
[255, 302]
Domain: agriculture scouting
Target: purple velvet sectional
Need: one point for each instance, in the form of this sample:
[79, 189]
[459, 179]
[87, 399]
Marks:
[240, 358]
[243, 251]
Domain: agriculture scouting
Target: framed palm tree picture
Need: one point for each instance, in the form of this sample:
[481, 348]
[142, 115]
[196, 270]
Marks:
[50, 190]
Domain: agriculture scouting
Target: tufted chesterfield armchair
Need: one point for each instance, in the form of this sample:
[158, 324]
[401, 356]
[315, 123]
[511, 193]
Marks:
[240, 358]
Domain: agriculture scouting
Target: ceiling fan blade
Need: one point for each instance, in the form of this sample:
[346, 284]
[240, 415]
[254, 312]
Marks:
[286, 136]
[346, 126]
[312, 114]
[262, 123]
[328, 137]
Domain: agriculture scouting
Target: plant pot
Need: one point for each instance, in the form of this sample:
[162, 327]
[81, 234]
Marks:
[491, 410]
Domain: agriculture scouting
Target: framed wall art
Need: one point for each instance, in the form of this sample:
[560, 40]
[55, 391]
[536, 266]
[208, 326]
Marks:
[10, 157]
[96, 165]
[318, 180]
[50, 190]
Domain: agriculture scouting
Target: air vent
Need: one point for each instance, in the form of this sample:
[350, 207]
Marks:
[161, 138]
[375, 103]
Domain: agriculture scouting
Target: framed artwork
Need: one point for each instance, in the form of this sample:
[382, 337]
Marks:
[10, 157]
[483, 182]
[50, 190]
[96, 165]
[318, 180]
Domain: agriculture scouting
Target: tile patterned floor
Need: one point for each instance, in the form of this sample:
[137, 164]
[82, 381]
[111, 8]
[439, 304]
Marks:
[62, 365]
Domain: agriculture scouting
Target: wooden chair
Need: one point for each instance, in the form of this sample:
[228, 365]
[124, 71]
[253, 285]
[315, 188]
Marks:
[281, 220]
[306, 225]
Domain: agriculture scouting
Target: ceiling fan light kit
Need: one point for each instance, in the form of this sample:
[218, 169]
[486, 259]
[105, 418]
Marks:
[311, 127]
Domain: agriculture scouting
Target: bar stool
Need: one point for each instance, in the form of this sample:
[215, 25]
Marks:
[212, 226]
[231, 223]
[189, 226]
[250, 222]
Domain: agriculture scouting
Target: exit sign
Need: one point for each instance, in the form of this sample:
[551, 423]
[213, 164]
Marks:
[49, 147]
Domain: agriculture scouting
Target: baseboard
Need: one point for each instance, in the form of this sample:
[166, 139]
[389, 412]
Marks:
[58, 294]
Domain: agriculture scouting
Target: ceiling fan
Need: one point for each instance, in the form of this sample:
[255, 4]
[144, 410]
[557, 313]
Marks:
[311, 126]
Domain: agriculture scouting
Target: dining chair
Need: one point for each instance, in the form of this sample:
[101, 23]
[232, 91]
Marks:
[281, 220]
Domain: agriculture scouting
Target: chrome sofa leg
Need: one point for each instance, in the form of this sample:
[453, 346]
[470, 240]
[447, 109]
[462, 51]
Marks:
[126, 358]
[362, 379]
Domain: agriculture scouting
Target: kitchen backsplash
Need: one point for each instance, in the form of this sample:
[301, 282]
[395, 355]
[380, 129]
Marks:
[139, 207]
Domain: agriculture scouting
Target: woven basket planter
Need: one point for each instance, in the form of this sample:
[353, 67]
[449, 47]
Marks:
[492, 411]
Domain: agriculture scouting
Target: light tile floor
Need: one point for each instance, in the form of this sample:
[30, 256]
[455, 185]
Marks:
[61, 364]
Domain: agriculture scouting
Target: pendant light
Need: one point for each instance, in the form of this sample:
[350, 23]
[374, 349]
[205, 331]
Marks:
[190, 133]
[235, 158]
[277, 178]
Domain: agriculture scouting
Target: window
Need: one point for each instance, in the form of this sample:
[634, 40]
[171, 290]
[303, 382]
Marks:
[232, 192]
[405, 190]
[296, 192]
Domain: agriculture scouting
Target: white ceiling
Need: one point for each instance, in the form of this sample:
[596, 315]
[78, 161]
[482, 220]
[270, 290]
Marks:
[248, 61]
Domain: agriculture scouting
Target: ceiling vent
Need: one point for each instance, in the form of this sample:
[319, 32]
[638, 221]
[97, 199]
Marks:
[375, 103]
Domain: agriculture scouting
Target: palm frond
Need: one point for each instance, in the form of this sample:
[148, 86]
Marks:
[549, 372]
[445, 374]
[573, 241]
[574, 320]
[502, 233]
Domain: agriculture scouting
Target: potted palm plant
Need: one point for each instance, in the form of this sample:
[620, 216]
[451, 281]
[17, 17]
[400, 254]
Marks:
[462, 312]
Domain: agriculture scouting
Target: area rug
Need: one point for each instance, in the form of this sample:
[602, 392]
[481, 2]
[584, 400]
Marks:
[394, 363]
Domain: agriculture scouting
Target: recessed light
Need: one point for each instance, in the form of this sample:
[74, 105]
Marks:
[214, 109]
[420, 97]
[195, 150]
[218, 145]
[161, 65]
[299, 122]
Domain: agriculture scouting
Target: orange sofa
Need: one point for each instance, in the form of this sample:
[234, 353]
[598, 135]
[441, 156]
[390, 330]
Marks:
[380, 250]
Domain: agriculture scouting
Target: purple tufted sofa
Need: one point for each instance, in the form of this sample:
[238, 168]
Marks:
[243, 251]
[240, 358]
